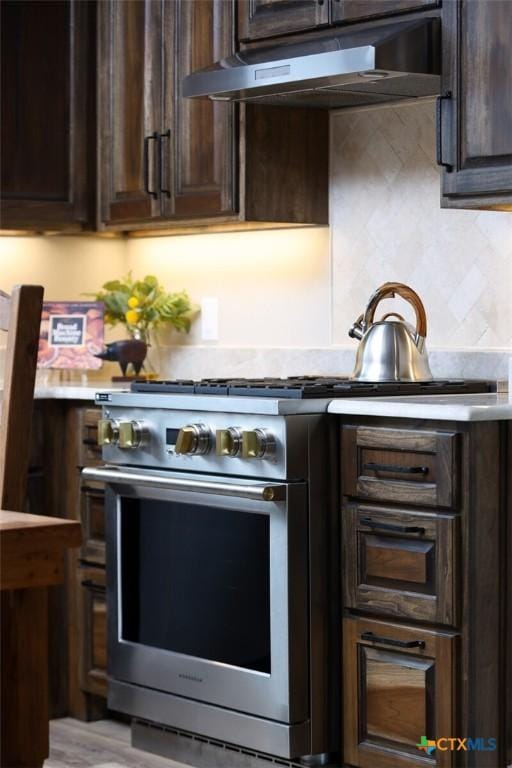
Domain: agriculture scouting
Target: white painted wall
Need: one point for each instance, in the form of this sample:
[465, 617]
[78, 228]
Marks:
[272, 286]
[65, 266]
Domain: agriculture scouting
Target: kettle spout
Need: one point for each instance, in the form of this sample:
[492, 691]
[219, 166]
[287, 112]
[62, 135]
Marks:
[357, 331]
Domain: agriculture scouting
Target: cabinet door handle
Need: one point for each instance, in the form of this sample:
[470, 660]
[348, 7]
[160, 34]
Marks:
[90, 441]
[439, 131]
[373, 465]
[391, 527]
[166, 135]
[147, 139]
[391, 641]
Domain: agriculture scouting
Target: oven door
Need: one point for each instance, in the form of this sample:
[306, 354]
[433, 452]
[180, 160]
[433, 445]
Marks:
[207, 589]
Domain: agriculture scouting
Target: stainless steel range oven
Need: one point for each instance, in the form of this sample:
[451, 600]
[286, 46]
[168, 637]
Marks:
[220, 570]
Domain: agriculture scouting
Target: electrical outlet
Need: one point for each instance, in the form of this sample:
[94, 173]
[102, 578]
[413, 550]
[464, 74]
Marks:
[210, 319]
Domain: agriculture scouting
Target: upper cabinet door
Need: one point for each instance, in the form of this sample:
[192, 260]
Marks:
[355, 10]
[197, 144]
[258, 19]
[130, 114]
[43, 164]
[475, 113]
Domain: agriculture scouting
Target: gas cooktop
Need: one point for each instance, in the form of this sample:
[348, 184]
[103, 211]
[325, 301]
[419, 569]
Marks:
[302, 387]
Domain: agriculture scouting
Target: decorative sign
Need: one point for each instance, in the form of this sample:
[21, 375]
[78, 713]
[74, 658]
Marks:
[71, 334]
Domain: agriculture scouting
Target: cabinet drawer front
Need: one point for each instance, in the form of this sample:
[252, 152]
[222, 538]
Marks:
[398, 687]
[400, 465]
[401, 563]
[93, 617]
[89, 451]
[92, 512]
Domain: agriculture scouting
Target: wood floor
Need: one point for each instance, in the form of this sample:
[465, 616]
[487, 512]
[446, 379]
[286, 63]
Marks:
[104, 744]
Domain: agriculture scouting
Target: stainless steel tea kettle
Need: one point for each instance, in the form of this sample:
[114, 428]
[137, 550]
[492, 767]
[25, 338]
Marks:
[391, 350]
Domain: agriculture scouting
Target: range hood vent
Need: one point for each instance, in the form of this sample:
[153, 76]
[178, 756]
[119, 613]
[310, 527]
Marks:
[387, 63]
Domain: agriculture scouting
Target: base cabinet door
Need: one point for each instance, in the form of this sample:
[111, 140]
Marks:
[474, 111]
[398, 694]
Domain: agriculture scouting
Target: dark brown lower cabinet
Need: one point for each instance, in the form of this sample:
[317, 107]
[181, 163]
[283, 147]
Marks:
[426, 594]
[398, 687]
[87, 608]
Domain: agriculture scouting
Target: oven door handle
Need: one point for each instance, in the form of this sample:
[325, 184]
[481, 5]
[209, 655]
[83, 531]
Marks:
[266, 492]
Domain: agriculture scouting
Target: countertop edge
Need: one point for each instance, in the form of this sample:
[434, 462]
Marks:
[438, 411]
[452, 407]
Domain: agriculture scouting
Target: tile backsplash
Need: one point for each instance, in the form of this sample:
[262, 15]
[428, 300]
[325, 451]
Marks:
[387, 225]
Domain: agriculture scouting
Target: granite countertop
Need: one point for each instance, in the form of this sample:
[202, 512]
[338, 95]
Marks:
[478, 407]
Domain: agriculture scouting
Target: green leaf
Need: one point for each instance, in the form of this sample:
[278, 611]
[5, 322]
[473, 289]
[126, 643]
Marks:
[114, 285]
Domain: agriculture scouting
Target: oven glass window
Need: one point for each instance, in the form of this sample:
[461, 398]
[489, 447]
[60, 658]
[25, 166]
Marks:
[196, 580]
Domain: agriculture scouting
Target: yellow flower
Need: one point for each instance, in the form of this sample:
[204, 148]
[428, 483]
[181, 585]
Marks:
[131, 317]
[133, 302]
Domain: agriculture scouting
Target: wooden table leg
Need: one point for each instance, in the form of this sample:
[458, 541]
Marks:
[24, 678]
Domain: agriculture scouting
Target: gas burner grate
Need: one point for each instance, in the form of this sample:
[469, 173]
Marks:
[304, 387]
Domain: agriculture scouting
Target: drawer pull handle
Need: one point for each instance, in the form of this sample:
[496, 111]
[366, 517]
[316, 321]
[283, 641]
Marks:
[90, 441]
[94, 585]
[391, 641]
[391, 527]
[375, 467]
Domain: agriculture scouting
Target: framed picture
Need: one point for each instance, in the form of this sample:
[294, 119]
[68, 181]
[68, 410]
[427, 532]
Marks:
[72, 333]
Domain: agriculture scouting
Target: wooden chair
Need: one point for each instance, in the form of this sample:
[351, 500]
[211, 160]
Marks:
[20, 316]
[32, 547]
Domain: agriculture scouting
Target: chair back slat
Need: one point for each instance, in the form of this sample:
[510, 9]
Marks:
[20, 315]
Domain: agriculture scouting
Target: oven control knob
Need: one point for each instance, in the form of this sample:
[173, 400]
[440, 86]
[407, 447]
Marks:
[108, 432]
[131, 434]
[193, 439]
[228, 442]
[257, 444]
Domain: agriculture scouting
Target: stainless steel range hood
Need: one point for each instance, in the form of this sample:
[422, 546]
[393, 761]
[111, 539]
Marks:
[344, 68]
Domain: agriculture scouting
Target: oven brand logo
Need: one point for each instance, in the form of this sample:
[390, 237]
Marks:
[454, 744]
[191, 677]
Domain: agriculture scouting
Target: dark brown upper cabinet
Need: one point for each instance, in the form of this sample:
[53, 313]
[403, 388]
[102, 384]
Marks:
[45, 103]
[474, 112]
[130, 109]
[258, 19]
[166, 162]
[358, 10]
[161, 156]
[261, 19]
[199, 147]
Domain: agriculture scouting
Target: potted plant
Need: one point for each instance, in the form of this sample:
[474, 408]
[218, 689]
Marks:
[142, 306]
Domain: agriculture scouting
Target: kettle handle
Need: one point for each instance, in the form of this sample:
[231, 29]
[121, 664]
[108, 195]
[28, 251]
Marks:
[388, 290]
